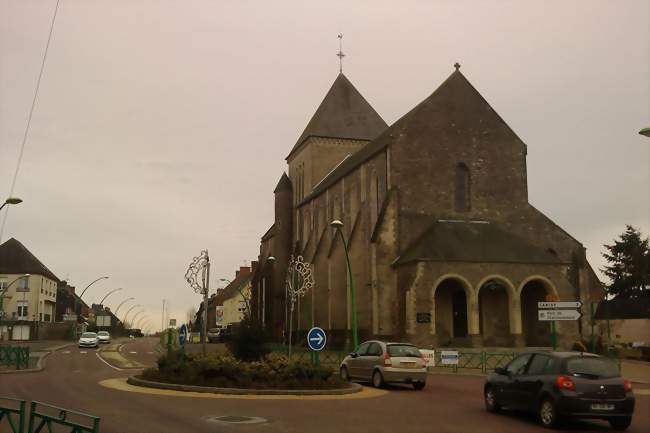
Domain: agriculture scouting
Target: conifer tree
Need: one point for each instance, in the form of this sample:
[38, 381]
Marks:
[628, 267]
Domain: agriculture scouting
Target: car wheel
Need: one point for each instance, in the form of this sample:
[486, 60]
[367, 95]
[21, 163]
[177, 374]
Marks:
[419, 386]
[491, 403]
[548, 413]
[621, 423]
[345, 376]
[377, 379]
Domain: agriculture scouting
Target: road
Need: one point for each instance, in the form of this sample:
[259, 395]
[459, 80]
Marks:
[448, 404]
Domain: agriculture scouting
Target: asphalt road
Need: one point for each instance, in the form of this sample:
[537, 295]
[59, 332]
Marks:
[448, 404]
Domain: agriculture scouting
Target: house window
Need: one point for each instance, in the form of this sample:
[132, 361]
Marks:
[22, 310]
[462, 187]
[23, 285]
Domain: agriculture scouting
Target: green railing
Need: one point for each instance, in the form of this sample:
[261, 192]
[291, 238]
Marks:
[14, 356]
[484, 362]
[44, 415]
[13, 410]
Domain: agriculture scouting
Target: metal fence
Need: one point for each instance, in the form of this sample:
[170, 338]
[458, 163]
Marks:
[44, 418]
[14, 356]
[483, 362]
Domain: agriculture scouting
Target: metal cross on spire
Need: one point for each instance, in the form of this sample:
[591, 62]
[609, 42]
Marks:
[340, 54]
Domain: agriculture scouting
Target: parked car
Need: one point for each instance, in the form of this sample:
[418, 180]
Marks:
[557, 385]
[214, 335]
[104, 337]
[88, 339]
[381, 363]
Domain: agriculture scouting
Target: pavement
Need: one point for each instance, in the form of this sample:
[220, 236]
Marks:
[636, 371]
[79, 380]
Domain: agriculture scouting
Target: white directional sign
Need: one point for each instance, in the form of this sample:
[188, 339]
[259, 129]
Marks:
[559, 305]
[548, 315]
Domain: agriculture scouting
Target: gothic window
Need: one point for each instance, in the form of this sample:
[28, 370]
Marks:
[462, 187]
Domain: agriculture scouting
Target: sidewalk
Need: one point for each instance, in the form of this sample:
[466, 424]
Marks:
[38, 351]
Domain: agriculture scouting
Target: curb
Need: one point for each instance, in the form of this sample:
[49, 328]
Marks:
[117, 350]
[350, 389]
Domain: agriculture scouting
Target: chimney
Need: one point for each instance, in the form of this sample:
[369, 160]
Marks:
[244, 270]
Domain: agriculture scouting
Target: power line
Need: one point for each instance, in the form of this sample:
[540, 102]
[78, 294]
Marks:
[29, 118]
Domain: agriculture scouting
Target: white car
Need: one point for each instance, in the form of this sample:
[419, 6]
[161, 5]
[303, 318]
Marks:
[88, 339]
[104, 337]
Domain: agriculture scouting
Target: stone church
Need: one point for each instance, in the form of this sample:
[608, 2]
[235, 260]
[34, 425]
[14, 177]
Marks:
[445, 248]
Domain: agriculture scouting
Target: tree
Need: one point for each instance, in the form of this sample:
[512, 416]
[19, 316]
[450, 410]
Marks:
[191, 314]
[628, 265]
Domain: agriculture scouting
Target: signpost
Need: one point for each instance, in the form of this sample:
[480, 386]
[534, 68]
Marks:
[429, 357]
[316, 340]
[553, 309]
[182, 335]
[449, 357]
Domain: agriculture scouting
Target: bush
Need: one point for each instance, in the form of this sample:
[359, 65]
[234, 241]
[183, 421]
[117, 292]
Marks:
[248, 341]
[272, 371]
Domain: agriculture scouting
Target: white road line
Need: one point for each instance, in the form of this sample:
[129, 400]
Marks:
[135, 353]
[83, 352]
[67, 352]
[102, 360]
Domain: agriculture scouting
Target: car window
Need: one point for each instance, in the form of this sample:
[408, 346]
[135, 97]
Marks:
[592, 367]
[404, 350]
[363, 349]
[88, 335]
[538, 365]
[518, 365]
[374, 350]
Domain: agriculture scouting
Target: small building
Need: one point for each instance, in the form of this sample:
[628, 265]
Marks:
[28, 291]
[235, 297]
[629, 320]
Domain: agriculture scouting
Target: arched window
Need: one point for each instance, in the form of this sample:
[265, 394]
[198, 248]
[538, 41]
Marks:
[462, 188]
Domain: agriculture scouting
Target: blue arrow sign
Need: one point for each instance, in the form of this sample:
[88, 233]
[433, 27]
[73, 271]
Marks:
[316, 339]
[182, 335]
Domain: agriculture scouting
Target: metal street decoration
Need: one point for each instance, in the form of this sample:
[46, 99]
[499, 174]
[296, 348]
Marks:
[299, 281]
[198, 277]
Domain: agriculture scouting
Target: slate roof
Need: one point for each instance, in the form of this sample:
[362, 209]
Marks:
[16, 259]
[624, 308]
[473, 241]
[343, 113]
[284, 184]
[454, 99]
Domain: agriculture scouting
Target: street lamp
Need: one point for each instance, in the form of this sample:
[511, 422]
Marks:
[122, 303]
[140, 321]
[338, 225]
[108, 294]
[84, 291]
[127, 313]
[2, 293]
[136, 315]
[11, 200]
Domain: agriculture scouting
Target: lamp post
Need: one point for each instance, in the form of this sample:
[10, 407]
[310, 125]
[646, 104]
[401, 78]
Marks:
[136, 315]
[122, 303]
[108, 294]
[140, 321]
[11, 200]
[2, 293]
[84, 291]
[128, 311]
[338, 225]
[201, 284]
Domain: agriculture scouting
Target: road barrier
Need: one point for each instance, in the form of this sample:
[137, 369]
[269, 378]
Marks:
[14, 355]
[44, 415]
[483, 362]
[13, 410]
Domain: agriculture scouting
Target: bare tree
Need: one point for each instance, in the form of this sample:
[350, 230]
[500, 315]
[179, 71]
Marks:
[191, 314]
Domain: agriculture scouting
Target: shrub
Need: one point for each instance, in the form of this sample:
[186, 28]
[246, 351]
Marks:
[248, 341]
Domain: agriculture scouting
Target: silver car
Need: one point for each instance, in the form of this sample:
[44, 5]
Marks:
[88, 339]
[381, 362]
[104, 337]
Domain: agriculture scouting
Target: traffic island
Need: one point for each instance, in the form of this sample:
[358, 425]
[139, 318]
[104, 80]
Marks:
[346, 388]
[271, 374]
[112, 356]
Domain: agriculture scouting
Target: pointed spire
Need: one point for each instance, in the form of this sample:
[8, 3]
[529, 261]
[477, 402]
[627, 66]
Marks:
[343, 113]
[284, 185]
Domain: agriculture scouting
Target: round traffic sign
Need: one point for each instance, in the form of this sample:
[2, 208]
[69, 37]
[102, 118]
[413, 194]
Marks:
[182, 335]
[316, 339]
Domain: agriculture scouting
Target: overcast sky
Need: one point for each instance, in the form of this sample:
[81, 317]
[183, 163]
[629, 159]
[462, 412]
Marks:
[162, 126]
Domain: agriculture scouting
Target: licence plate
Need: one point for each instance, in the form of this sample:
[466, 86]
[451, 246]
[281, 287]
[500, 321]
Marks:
[602, 406]
[408, 365]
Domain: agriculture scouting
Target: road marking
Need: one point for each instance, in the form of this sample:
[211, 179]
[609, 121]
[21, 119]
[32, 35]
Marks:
[67, 352]
[135, 353]
[121, 385]
[83, 352]
[104, 361]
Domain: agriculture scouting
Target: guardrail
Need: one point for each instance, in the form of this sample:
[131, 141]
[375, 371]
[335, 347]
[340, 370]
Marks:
[43, 415]
[14, 355]
[13, 410]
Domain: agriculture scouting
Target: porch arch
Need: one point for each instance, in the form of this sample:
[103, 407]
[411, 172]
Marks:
[497, 300]
[532, 290]
[452, 307]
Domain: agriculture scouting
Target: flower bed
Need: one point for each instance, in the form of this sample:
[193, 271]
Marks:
[273, 371]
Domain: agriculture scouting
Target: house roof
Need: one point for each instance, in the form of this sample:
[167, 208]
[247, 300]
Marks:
[232, 289]
[269, 233]
[624, 308]
[473, 241]
[343, 113]
[453, 100]
[16, 259]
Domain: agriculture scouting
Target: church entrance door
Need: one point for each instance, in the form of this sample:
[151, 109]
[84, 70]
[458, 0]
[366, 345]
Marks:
[459, 309]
